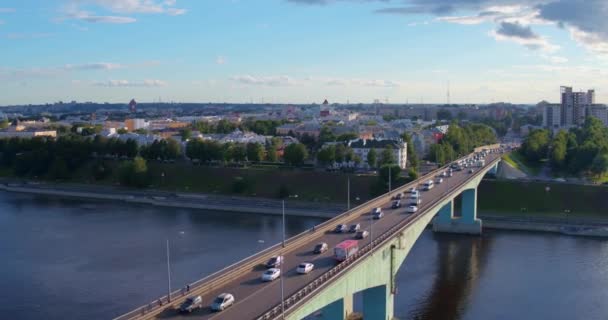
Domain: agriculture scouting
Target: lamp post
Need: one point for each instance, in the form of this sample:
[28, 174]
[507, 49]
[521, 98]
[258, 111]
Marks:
[168, 273]
[282, 261]
[348, 193]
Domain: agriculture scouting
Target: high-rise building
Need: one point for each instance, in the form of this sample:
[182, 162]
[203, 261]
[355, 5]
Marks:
[574, 105]
[599, 111]
[552, 116]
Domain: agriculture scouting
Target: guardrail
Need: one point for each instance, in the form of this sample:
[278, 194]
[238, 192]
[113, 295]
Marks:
[317, 284]
[227, 274]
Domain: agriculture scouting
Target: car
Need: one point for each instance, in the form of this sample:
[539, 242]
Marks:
[399, 196]
[439, 181]
[340, 228]
[471, 170]
[450, 174]
[320, 248]
[271, 274]
[411, 209]
[376, 210]
[396, 204]
[415, 201]
[191, 304]
[354, 228]
[222, 302]
[305, 267]
[274, 262]
[444, 174]
[413, 189]
[362, 234]
[378, 215]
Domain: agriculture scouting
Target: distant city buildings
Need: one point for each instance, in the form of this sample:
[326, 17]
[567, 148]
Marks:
[573, 109]
[362, 147]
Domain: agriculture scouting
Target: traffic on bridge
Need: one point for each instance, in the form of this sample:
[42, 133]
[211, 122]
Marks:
[252, 287]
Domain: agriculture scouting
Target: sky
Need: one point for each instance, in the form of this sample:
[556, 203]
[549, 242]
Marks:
[301, 51]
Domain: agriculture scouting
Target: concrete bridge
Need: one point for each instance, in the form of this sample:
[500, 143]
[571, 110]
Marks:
[327, 292]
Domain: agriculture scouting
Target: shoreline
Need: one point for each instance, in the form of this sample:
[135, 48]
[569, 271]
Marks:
[295, 208]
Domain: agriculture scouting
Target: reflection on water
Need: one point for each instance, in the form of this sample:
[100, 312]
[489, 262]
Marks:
[94, 260]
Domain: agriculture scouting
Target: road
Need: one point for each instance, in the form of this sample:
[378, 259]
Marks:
[254, 297]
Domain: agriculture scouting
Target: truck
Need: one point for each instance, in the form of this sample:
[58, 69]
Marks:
[346, 249]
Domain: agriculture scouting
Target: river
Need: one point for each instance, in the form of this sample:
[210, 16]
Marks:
[72, 259]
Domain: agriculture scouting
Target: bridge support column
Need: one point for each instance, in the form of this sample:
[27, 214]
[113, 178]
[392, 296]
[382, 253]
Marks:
[377, 303]
[467, 223]
[494, 169]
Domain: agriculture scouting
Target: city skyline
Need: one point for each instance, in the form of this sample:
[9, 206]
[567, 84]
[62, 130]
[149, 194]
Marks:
[301, 51]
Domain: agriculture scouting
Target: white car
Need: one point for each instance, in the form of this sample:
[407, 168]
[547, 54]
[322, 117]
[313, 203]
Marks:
[271, 274]
[222, 302]
[413, 189]
[439, 181]
[274, 262]
[411, 209]
[305, 267]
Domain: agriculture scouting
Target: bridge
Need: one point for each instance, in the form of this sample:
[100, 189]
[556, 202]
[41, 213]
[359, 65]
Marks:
[327, 291]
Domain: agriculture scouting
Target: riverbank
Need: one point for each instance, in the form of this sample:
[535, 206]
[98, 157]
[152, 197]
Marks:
[160, 198]
[494, 219]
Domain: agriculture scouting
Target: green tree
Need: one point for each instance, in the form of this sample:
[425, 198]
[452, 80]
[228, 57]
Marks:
[271, 152]
[4, 124]
[392, 170]
[134, 173]
[255, 152]
[536, 144]
[387, 156]
[412, 174]
[412, 157]
[295, 154]
[559, 149]
[372, 158]
[444, 114]
[327, 155]
[186, 134]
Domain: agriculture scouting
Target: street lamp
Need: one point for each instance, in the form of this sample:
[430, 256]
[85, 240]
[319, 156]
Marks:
[283, 261]
[169, 271]
[348, 193]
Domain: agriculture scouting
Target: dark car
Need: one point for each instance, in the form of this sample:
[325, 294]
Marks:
[191, 304]
[396, 204]
[340, 228]
[320, 248]
[274, 262]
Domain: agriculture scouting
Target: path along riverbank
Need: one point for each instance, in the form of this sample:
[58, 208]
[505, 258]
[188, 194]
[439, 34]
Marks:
[566, 225]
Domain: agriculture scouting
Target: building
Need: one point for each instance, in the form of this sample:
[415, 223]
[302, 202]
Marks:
[599, 111]
[574, 104]
[361, 148]
[28, 133]
[136, 124]
[552, 115]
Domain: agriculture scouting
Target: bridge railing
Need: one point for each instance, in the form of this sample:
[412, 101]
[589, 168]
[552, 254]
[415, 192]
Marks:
[332, 274]
[226, 275]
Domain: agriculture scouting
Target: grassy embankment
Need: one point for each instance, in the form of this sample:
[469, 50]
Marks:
[520, 198]
[516, 160]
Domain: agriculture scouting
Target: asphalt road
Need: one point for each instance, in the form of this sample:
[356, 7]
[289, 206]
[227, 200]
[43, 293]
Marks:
[254, 297]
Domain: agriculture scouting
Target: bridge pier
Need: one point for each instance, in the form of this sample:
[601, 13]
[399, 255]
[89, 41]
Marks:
[467, 223]
[377, 303]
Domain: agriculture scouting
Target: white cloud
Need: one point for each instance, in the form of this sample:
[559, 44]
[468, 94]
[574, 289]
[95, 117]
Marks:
[131, 84]
[273, 81]
[119, 9]
[592, 41]
[93, 66]
[88, 17]
[220, 60]
[554, 59]
[533, 43]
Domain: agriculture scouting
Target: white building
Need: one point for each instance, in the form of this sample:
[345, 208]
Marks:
[552, 116]
[599, 111]
[361, 147]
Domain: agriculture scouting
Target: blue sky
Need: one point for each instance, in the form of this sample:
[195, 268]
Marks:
[301, 51]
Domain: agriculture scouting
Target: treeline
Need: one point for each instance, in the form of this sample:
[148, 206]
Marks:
[459, 141]
[262, 127]
[206, 151]
[58, 158]
[579, 150]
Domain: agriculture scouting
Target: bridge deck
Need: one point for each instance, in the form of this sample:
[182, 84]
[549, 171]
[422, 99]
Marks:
[254, 297]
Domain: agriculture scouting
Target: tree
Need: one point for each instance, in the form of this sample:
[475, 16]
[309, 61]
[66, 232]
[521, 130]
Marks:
[271, 152]
[387, 157]
[255, 152]
[599, 165]
[412, 157]
[412, 174]
[536, 144]
[295, 154]
[4, 124]
[372, 158]
[392, 170]
[559, 149]
[345, 137]
[327, 155]
[186, 134]
[134, 173]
